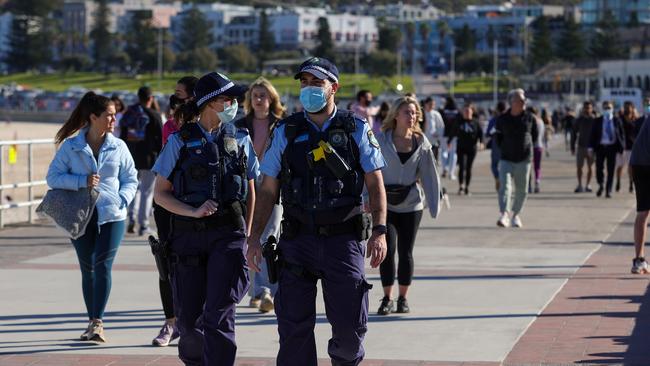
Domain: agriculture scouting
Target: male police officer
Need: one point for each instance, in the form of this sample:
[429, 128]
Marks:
[319, 161]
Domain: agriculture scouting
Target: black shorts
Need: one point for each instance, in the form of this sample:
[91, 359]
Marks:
[641, 176]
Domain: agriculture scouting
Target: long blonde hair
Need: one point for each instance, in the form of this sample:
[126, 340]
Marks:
[390, 121]
[275, 106]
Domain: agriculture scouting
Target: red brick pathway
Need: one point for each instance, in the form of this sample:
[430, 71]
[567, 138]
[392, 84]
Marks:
[601, 316]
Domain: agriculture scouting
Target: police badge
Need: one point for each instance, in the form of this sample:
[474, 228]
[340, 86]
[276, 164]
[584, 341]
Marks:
[372, 139]
[230, 145]
[338, 138]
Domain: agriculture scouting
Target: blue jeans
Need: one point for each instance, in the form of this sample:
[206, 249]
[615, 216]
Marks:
[96, 250]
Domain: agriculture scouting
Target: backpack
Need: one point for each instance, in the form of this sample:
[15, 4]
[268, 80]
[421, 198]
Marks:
[133, 124]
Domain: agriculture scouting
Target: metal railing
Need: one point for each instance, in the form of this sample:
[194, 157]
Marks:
[30, 184]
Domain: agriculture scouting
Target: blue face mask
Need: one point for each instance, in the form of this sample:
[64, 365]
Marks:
[647, 108]
[608, 113]
[313, 98]
[228, 113]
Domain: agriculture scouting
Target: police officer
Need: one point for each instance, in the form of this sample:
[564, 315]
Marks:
[205, 177]
[319, 160]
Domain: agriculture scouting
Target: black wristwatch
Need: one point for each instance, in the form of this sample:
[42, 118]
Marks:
[379, 229]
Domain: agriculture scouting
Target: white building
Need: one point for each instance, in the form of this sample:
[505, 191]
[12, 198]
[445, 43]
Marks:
[219, 15]
[625, 74]
[402, 13]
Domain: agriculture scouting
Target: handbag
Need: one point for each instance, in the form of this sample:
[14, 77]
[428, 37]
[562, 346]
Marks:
[396, 194]
[70, 210]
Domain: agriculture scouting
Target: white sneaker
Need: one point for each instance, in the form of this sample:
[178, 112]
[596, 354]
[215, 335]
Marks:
[639, 266]
[516, 221]
[504, 220]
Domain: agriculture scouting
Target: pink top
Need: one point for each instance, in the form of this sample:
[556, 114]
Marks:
[168, 128]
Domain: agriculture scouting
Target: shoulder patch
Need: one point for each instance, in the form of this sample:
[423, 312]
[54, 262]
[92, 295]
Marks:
[372, 139]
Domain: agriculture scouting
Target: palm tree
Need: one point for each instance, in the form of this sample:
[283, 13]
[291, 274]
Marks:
[425, 30]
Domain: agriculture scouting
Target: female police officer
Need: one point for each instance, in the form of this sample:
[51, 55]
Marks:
[205, 177]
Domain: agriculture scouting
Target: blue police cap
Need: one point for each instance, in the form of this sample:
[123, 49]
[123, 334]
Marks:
[320, 68]
[215, 84]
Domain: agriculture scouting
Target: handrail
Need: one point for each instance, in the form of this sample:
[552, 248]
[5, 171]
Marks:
[30, 184]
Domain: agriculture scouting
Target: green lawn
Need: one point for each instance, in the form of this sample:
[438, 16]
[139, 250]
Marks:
[112, 82]
[473, 85]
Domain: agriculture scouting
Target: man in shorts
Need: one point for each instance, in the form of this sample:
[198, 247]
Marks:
[581, 135]
[640, 164]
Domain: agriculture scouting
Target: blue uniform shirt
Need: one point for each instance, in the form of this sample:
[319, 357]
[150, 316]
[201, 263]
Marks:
[170, 153]
[369, 152]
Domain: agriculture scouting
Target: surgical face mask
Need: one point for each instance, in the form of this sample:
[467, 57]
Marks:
[313, 98]
[228, 113]
[647, 108]
[608, 113]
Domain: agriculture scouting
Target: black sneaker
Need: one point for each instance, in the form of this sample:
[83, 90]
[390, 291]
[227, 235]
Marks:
[402, 305]
[600, 191]
[131, 228]
[387, 306]
[618, 186]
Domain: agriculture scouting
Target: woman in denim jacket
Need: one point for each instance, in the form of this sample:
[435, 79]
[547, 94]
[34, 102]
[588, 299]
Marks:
[94, 158]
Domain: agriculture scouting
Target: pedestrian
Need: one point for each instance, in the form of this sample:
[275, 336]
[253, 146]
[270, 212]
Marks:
[410, 175]
[119, 112]
[629, 119]
[548, 132]
[581, 136]
[263, 110]
[169, 331]
[538, 149]
[205, 178]
[95, 159]
[380, 116]
[141, 129]
[434, 126]
[567, 125]
[515, 131]
[324, 227]
[469, 135]
[363, 107]
[640, 164]
[607, 140]
[495, 152]
[450, 116]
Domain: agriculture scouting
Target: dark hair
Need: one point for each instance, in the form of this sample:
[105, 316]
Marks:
[174, 102]
[144, 93]
[501, 106]
[450, 103]
[427, 100]
[90, 103]
[119, 104]
[186, 112]
[587, 102]
[362, 93]
[189, 82]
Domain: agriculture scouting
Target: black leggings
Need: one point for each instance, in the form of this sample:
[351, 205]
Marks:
[402, 229]
[162, 218]
[465, 161]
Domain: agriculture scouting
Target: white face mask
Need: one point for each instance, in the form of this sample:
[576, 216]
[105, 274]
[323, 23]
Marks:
[229, 112]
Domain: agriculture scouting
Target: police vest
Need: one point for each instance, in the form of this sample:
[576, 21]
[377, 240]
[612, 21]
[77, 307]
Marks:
[210, 170]
[310, 192]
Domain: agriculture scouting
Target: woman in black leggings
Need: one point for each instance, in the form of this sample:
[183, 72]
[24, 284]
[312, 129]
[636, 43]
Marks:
[469, 134]
[409, 175]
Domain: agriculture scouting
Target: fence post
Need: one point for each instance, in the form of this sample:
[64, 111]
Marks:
[30, 175]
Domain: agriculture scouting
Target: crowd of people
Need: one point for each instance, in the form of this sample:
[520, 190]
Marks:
[333, 186]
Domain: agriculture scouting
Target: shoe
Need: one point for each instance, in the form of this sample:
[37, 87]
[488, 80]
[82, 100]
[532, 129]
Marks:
[131, 228]
[266, 304]
[255, 302]
[387, 306]
[600, 191]
[144, 231]
[578, 189]
[504, 220]
[618, 186]
[97, 332]
[608, 195]
[84, 335]
[516, 221]
[452, 177]
[444, 174]
[445, 198]
[588, 189]
[167, 334]
[467, 192]
[461, 190]
[639, 266]
[536, 188]
[402, 306]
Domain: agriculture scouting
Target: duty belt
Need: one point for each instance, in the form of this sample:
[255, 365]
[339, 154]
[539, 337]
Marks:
[202, 224]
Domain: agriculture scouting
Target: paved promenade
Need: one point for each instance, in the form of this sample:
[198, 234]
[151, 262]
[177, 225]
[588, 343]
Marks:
[556, 292]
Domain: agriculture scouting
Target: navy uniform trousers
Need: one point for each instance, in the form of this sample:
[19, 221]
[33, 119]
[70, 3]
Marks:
[206, 293]
[340, 262]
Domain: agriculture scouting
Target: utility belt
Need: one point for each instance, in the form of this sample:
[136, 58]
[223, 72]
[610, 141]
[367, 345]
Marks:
[202, 224]
[359, 225]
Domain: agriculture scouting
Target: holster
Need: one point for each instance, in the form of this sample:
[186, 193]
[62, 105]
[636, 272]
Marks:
[160, 251]
[271, 254]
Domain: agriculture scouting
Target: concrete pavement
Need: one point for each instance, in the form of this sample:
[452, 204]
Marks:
[477, 288]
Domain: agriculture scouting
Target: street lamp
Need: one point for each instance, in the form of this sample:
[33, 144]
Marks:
[452, 73]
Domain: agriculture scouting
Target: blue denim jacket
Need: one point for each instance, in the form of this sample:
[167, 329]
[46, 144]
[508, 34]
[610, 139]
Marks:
[118, 181]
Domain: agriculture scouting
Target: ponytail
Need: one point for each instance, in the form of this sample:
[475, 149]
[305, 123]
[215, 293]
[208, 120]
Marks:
[90, 103]
[186, 112]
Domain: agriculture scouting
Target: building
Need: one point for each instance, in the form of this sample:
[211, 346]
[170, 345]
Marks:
[513, 10]
[562, 78]
[6, 20]
[396, 13]
[625, 74]
[623, 11]
[244, 30]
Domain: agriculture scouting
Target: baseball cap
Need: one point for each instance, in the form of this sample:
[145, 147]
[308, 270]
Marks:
[320, 68]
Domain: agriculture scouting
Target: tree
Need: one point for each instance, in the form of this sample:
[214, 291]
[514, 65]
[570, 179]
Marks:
[195, 31]
[266, 40]
[141, 41]
[380, 63]
[389, 38]
[633, 22]
[473, 62]
[425, 31]
[443, 31]
[410, 42]
[541, 47]
[197, 60]
[606, 42]
[101, 37]
[325, 47]
[465, 40]
[239, 58]
[570, 46]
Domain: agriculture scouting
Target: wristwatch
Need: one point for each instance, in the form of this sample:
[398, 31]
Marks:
[379, 229]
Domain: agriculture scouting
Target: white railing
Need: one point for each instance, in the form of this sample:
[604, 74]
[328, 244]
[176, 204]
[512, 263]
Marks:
[30, 184]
